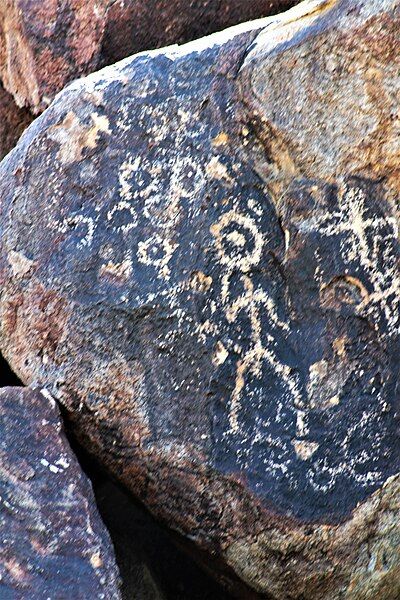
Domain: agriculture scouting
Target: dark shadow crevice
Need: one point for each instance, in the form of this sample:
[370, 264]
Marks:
[7, 377]
[152, 563]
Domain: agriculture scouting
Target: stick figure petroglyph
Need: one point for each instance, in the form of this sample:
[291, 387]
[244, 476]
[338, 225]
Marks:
[239, 243]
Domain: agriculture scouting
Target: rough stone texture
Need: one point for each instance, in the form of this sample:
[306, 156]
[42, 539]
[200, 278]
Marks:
[200, 257]
[53, 542]
[13, 121]
[45, 45]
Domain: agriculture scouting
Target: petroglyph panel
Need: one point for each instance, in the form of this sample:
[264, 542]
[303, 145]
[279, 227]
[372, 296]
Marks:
[324, 379]
[258, 333]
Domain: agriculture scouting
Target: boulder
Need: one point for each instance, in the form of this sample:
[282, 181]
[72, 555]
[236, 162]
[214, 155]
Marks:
[13, 121]
[200, 259]
[45, 45]
[53, 542]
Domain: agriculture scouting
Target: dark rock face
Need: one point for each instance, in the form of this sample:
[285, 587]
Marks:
[54, 544]
[200, 259]
[13, 122]
[45, 45]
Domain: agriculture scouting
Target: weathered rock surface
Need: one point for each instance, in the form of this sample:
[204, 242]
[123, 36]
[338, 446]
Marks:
[13, 122]
[53, 542]
[45, 45]
[200, 258]
[152, 565]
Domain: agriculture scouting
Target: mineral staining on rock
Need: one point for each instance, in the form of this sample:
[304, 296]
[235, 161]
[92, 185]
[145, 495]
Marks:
[54, 544]
[219, 316]
[45, 45]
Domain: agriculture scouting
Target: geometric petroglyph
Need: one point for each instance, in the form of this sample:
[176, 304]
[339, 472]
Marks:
[368, 241]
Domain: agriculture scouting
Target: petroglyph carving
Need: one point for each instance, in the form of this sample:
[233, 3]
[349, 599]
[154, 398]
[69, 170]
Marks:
[82, 226]
[367, 241]
[157, 252]
[118, 210]
[240, 244]
[244, 239]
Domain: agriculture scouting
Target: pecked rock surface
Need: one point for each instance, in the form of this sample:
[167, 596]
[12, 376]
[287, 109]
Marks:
[45, 45]
[200, 258]
[53, 542]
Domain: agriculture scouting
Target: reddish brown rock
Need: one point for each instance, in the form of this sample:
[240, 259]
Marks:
[200, 258]
[53, 542]
[13, 122]
[136, 25]
[45, 45]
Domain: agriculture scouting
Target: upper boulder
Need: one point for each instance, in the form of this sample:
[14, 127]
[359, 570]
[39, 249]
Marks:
[200, 258]
[136, 25]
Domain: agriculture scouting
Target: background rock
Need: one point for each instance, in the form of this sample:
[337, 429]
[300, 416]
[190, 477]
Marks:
[54, 544]
[214, 297]
[136, 25]
[45, 45]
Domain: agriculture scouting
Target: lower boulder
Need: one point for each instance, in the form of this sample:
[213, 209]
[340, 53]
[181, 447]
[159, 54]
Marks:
[53, 542]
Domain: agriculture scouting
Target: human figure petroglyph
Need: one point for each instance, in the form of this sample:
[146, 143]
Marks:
[239, 243]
